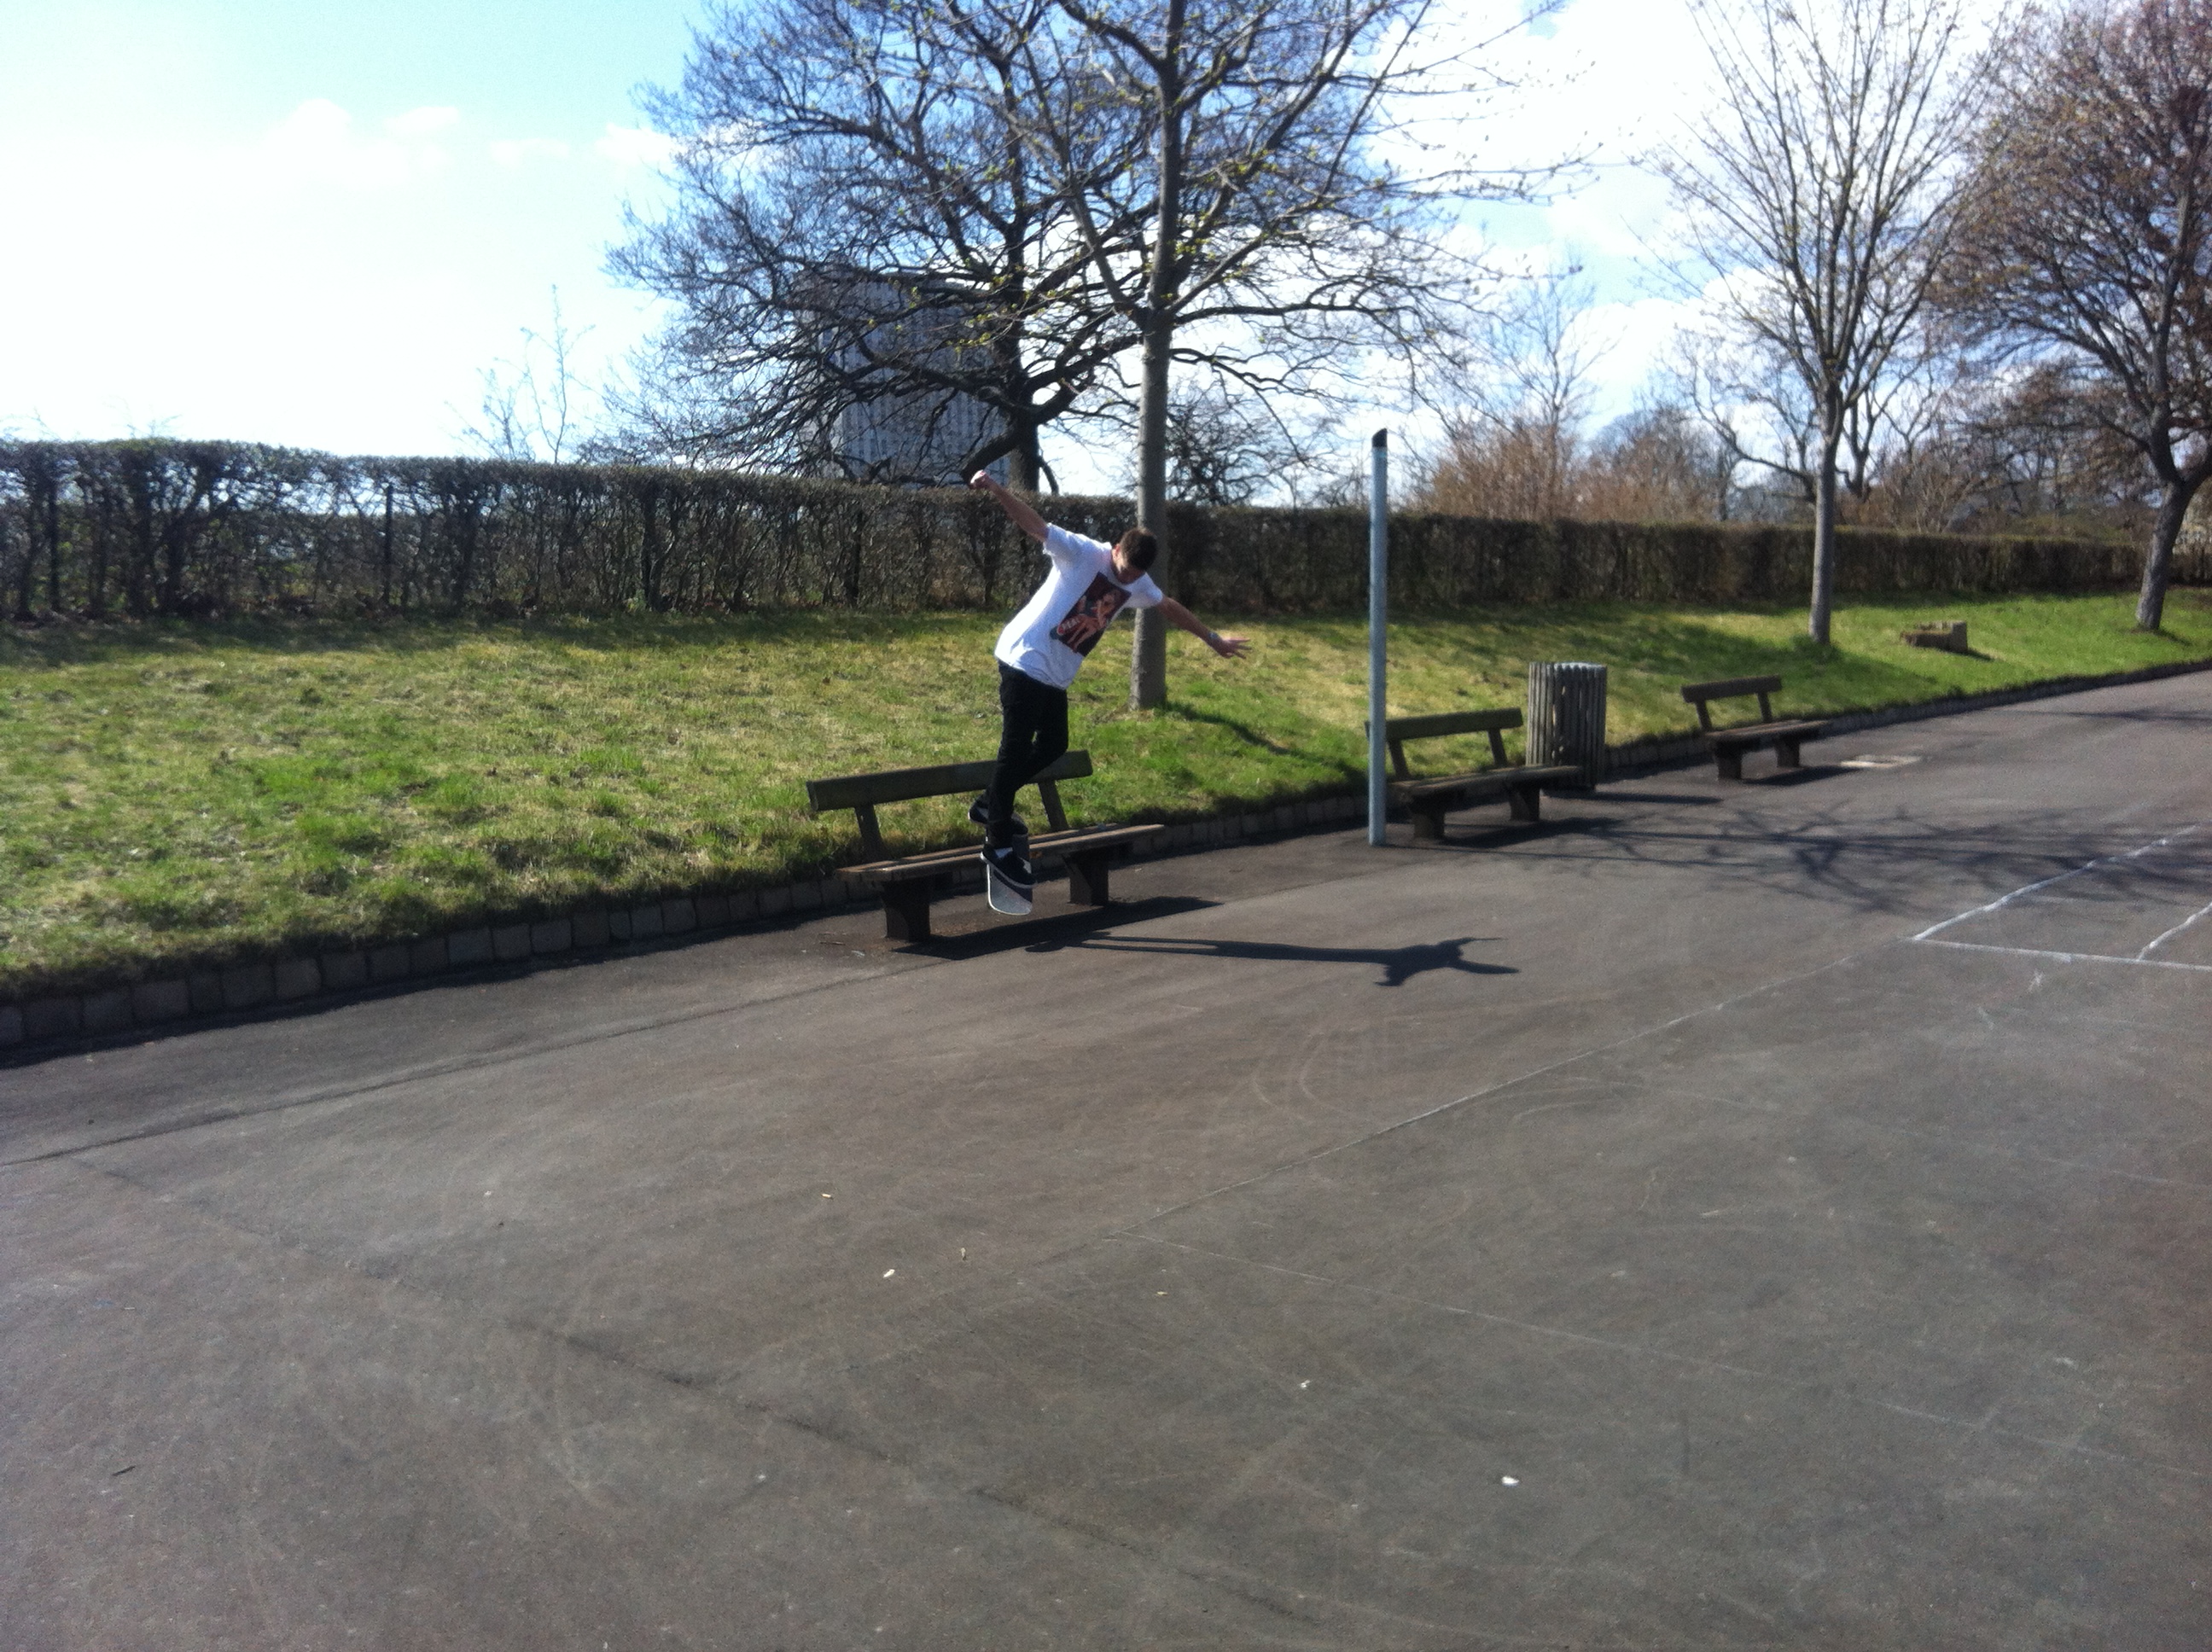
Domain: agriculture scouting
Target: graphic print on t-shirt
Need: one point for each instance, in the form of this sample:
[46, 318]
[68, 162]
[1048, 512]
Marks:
[1087, 620]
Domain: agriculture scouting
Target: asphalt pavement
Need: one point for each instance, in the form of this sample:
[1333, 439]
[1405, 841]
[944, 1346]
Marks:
[1760, 1216]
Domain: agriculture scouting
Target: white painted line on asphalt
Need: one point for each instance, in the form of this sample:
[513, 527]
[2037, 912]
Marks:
[2003, 900]
[2144, 956]
[2072, 957]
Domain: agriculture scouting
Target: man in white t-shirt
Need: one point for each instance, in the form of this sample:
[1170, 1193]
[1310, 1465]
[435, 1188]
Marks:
[1041, 649]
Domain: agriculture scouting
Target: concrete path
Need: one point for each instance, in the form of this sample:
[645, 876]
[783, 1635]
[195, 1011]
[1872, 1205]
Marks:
[1776, 1216]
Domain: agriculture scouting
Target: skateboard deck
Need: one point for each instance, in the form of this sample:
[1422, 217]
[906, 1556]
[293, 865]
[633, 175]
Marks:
[1005, 894]
[1010, 898]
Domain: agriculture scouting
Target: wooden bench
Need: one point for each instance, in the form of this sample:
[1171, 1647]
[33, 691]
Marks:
[908, 886]
[1428, 801]
[1728, 746]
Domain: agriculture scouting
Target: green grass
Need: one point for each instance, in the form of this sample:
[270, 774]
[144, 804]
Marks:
[183, 793]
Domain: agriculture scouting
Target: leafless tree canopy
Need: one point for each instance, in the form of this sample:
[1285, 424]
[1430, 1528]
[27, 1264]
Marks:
[863, 218]
[2085, 238]
[1226, 447]
[1824, 180]
[1271, 237]
[1658, 463]
[533, 408]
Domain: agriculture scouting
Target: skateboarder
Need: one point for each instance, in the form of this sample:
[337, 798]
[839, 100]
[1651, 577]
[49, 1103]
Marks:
[1039, 653]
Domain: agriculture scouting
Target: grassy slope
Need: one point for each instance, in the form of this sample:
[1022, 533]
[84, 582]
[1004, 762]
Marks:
[184, 792]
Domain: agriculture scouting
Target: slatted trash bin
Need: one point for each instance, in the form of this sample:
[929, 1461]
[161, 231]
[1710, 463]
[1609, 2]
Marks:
[1566, 717]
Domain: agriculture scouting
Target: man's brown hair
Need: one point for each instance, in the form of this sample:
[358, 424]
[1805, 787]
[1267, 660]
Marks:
[1139, 548]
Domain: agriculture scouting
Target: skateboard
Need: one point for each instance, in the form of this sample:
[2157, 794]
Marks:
[1007, 895]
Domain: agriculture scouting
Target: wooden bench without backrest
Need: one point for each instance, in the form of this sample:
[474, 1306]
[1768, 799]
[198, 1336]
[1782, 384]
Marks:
[908, 885]
[1728, 746]
[1429, 800]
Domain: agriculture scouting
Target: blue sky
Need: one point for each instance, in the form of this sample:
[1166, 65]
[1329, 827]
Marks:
[318, 224]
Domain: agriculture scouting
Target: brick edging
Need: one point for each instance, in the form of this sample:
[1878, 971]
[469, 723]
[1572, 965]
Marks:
[1667, 751]
[286, 981]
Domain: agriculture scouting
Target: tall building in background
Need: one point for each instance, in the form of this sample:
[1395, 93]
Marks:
[918, 439]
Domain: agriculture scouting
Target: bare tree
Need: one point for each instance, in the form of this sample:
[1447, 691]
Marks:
[1514, 467]
[2088, 235]
[860, 223]
[1657, 464]
[531, 409]
[1822, 191]
[1273, 237]
[1227, 446]
[1515, 442]
[2033, 452]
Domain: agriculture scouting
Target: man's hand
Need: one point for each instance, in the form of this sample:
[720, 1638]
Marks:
[1023, 514]
[1182, 619]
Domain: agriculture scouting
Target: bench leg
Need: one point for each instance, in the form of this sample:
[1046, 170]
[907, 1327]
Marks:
[1785, 753]
[1526, 802]
[906, 910]
[1731, 763]
[1428, 824]
[1086, 880]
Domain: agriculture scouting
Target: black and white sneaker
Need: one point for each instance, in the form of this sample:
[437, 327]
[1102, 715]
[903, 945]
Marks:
[1007, 872]
[980, 812]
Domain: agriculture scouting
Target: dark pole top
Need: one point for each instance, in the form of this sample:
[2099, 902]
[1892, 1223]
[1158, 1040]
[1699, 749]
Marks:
[1382, 439]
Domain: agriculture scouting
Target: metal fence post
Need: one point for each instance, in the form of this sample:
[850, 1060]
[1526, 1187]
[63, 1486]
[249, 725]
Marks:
[1378, 624]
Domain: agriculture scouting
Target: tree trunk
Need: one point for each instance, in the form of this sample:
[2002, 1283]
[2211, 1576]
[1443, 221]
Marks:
[27, 576]
[139, 468]
[384, 550]
[54, 502]
[2158, 567]
[1023, 462]
[1148, 650]
[1824, 539]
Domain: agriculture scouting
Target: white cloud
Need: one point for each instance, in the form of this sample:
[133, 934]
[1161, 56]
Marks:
[420, 123]
[635, 146]
[318, 142]
[513, 153]
[347, 297]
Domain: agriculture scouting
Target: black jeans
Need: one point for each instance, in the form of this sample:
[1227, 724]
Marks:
[1032, 735]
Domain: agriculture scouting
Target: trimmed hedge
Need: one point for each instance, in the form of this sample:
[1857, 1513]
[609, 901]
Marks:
[190, 528]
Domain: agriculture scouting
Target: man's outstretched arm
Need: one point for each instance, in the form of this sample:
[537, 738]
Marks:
[1176, 614]
[1023, 514]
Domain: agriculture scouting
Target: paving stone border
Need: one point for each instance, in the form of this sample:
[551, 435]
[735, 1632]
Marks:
[1671, 752]
[285, 980]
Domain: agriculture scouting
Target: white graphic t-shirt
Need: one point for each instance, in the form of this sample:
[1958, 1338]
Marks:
[1071, 610]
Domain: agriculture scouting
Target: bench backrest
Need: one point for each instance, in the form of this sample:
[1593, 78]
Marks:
[1729, 688]
[1398, 730]
[862, 792]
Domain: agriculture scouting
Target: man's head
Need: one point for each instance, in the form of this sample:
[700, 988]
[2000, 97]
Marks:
[1132, 555]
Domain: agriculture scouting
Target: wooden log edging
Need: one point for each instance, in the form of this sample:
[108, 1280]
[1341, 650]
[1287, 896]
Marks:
[280, 983]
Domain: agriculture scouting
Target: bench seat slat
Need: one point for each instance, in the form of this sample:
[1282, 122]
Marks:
[1079, 840]
[1487, 780]
[1753, 733]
